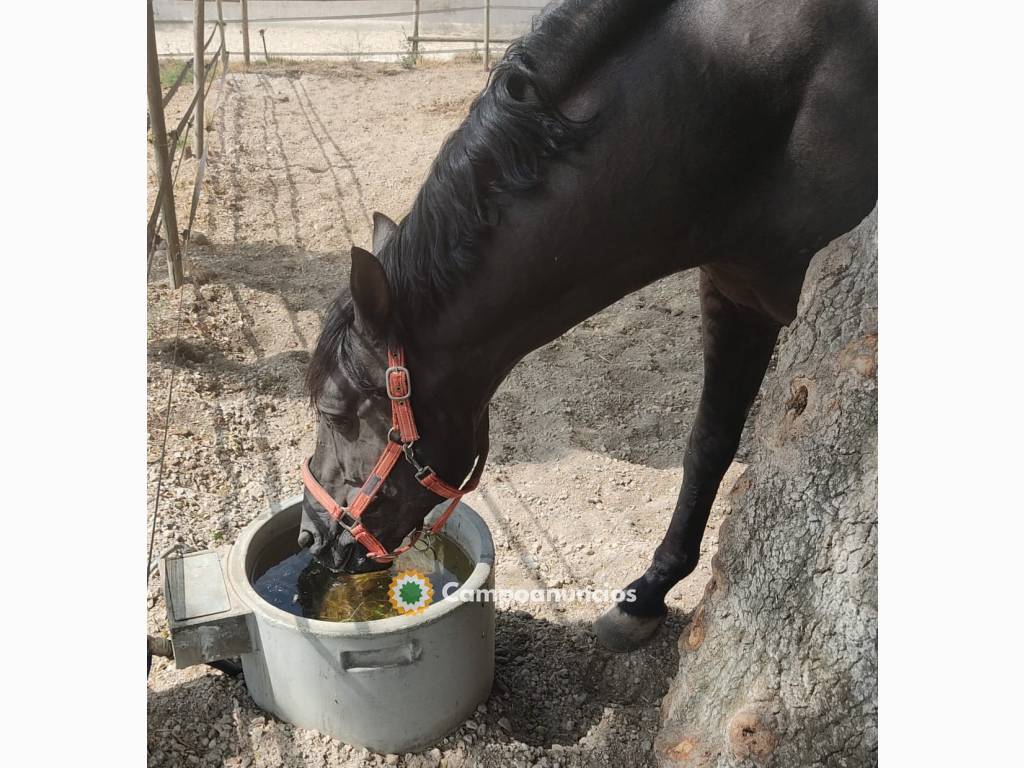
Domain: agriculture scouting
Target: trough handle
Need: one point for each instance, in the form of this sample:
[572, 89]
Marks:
[370, 659]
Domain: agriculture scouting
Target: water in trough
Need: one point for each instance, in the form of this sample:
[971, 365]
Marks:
[300, 585]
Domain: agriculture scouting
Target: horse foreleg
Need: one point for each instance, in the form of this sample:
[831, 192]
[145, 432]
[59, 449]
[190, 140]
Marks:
[738, 344]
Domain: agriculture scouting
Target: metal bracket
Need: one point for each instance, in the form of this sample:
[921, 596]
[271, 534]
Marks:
[206, 619]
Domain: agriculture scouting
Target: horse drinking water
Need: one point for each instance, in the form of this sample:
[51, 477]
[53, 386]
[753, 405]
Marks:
[618, 142]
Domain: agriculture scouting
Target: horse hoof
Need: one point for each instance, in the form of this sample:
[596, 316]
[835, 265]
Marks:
[617, 631]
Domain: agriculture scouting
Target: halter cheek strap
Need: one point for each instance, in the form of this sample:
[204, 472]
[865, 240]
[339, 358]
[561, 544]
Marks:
[401, 442]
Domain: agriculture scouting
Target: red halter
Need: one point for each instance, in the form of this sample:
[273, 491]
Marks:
[401, 439]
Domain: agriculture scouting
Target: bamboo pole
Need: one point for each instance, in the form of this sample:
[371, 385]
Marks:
[487, 35]
[416, 34]
[199, 73]
[175, 273]
[223, 44]
[245, 32]
[446, 39]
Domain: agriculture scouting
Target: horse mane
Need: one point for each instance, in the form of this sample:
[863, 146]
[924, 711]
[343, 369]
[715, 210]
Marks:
[514, 128]
[334, 349]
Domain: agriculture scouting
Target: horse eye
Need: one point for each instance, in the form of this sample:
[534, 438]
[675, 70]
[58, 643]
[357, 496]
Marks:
[336, 420]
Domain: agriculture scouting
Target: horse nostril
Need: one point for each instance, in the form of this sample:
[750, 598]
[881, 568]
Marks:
[305, 539]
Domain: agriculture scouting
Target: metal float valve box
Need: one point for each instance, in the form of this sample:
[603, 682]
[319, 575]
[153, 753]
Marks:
[206, 619]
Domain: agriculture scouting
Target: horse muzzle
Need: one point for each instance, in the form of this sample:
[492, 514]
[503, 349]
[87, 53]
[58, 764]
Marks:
[332, 546]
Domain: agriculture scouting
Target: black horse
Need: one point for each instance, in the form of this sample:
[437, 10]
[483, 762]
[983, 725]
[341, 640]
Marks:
[618, 142]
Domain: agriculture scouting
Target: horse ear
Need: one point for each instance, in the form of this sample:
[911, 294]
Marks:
[383, 229]
[371, 292]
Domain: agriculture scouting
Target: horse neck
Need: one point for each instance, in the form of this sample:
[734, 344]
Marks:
[550, 264]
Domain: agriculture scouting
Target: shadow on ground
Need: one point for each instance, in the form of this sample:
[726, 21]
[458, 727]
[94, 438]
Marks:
[555, 689]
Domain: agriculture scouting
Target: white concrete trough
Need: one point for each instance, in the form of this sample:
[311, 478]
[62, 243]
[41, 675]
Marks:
[392, 685]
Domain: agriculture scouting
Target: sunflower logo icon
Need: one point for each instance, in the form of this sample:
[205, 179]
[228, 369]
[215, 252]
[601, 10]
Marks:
[410, 592]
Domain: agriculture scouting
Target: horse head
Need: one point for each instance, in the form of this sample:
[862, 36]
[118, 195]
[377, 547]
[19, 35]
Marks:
[354, 388]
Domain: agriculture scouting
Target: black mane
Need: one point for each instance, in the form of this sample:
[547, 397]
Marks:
[334, 349]
[514, 127]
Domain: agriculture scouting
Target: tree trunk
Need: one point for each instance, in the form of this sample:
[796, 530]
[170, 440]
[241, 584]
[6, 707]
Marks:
[778, 665]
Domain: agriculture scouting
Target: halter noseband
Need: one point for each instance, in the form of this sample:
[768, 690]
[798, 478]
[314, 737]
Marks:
[402, 438]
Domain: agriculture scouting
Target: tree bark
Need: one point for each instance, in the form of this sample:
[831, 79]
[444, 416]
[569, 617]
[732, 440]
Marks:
[778, 664]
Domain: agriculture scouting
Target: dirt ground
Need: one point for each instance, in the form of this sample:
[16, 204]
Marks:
[299, 160]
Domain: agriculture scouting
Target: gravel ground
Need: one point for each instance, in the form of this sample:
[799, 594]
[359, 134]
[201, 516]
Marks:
[299, 160]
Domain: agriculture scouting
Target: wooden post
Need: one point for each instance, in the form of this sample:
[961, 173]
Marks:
[487, 35]
[163, 159]
[223, 45]
[199, 73]
[416, 34]
[245, 32]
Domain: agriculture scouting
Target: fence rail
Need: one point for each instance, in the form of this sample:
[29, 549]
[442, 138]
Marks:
[356, 16]
[413, 11]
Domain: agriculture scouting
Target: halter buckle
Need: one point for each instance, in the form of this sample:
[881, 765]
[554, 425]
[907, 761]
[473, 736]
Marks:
[347, 524]
[397, 382]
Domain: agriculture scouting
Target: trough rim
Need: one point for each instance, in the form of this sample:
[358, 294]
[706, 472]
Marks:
[239, 581]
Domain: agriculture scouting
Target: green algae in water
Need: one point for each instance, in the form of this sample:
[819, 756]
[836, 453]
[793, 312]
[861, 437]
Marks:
[301, 586]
